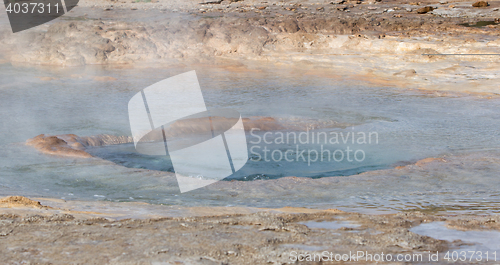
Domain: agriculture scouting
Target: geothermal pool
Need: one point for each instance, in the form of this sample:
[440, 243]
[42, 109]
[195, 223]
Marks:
[400, 127]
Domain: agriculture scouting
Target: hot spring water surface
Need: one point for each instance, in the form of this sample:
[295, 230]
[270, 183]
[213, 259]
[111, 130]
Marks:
[400, 127]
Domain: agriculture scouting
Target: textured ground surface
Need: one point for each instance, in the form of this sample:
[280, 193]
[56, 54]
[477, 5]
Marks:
[386, 42]
[33, 233]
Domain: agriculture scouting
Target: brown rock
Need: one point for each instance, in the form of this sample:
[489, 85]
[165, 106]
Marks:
[424, 10]
[19, 201]
[429, 160]
[406, 73]
[55, 145]
[480, 4]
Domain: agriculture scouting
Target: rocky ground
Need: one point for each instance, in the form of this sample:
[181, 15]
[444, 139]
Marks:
[387, 43]
[33, 233]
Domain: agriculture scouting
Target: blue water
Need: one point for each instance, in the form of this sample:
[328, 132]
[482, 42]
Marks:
[410, 126]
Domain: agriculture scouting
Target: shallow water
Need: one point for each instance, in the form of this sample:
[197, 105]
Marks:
[484, 242]
[409, 125]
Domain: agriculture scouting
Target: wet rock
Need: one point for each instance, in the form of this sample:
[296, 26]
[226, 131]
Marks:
[475, 223]
[406, 73]
[70, 145]
[54, 145]
[211, 2]
[425, 10]
[480, 4]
